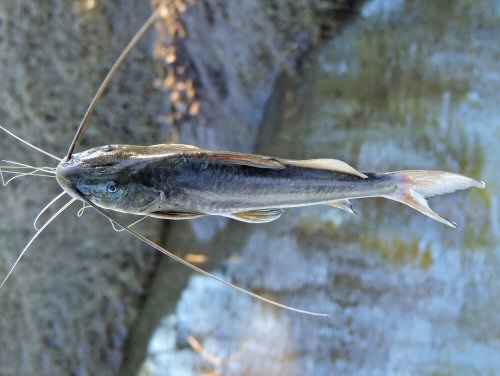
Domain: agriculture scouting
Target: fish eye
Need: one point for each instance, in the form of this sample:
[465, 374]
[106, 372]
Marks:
[112, 187]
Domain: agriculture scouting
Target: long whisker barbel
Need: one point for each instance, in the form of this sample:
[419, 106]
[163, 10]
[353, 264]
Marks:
[46, 207]
[49, 170]
[191, 266]
[120, 228]
[6, 182]
[108, 78]
[117, 228]
[83, 123]
[36, 236]
[20, 169]
[17, 174]
[30, 144]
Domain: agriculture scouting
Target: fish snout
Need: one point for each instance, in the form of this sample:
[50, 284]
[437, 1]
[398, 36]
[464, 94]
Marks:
[68, 176]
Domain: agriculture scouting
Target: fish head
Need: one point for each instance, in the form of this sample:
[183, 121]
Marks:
[105, 176]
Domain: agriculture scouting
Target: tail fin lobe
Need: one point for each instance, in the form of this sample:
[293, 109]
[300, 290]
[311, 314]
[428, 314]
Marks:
[418, 185]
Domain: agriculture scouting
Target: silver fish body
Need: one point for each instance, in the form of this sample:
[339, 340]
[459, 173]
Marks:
[182, 181]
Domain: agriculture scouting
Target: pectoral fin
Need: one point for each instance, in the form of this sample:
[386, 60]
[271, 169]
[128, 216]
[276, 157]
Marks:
[328, 164]
[175, 215]
[343, 205]
[257, 216]
[259, 161]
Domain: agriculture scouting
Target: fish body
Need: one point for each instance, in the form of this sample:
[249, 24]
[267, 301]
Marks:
[182, 181]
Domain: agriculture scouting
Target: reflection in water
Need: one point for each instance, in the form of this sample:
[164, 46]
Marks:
[408, 86]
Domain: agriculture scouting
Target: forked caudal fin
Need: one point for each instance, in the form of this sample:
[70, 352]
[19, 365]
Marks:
[418, 185]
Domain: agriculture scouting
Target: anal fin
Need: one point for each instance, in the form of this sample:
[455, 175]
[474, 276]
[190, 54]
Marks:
[342, 205]
[257, 216]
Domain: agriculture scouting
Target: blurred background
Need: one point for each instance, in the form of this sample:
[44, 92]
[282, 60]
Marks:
[383, 85]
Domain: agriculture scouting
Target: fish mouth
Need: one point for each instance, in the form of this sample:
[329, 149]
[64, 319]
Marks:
[68, 187]
[63, 173]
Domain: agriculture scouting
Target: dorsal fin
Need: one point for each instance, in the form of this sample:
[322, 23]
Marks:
[159, 150]
[259, 161]
[174, 147]
[328, 164]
